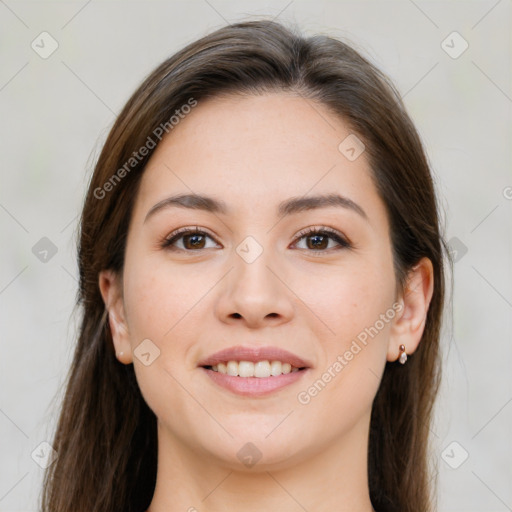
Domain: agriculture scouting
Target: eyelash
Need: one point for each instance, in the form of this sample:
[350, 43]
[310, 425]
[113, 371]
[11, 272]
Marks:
[343, 243]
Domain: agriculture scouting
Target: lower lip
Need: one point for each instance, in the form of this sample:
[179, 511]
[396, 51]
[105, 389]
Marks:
[254, 386]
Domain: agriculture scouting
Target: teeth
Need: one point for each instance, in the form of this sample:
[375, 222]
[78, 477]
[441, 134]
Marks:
[245, 368]
[275, 368]
[260, 369]
[232, 368]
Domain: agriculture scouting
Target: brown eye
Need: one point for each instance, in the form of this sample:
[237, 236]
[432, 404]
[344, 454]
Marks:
[319, 240]
[194, 241]
[187, 240]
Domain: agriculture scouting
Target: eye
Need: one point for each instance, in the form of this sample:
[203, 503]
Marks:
[187, 239]
[318, 239]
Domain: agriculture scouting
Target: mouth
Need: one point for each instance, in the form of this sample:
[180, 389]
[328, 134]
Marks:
[259, 369]
[250, 371]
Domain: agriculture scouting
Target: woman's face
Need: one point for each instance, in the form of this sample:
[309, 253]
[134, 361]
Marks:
[277, 273]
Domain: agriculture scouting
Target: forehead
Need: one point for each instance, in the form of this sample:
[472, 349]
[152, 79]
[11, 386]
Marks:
[255, 151]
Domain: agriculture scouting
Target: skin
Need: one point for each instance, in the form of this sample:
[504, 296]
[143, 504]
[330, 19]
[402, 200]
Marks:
[254, 152]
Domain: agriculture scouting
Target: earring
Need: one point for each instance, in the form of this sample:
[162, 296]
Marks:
[402, 357]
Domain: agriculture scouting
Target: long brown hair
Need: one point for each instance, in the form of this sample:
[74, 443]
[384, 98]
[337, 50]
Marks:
[106, 435]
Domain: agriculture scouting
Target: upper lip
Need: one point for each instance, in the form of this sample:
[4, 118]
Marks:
[254, 354]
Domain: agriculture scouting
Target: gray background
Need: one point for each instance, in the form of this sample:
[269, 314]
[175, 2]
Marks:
[56, 112]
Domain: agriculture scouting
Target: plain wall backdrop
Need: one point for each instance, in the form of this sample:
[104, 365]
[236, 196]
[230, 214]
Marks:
[67, 68]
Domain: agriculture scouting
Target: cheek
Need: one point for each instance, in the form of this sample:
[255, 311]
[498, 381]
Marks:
[157, 298]
[348, 300]
[356, 304]
[160, 307]
[148, 306]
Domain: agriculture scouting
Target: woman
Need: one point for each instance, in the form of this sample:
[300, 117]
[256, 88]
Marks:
[261, 275]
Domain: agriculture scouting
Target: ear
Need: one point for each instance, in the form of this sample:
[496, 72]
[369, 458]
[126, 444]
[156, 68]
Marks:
[111, 290]
[409, 324]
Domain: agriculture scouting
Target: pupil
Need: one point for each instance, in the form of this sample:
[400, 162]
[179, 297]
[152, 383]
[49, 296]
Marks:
[319, 241]
[195, 241]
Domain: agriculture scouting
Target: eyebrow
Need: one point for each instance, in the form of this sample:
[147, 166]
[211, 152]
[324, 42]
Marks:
[288, 207]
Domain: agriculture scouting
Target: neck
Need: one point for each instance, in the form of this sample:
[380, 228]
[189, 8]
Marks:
[334, 479]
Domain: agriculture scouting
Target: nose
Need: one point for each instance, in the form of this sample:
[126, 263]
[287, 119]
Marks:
[255, 294]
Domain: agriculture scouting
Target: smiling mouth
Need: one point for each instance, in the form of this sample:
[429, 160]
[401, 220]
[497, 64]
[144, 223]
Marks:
[260, 369]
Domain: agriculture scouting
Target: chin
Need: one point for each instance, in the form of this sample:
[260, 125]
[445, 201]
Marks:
[254, 449]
